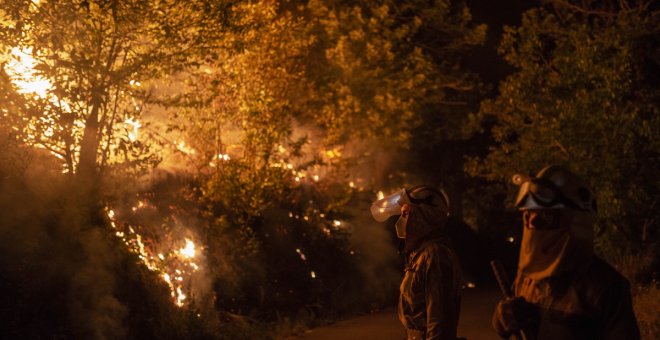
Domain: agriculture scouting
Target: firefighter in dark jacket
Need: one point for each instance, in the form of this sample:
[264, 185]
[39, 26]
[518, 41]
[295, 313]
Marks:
[562, 290]
[429, 302]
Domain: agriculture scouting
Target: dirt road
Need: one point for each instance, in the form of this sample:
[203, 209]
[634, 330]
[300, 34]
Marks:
[477, 308]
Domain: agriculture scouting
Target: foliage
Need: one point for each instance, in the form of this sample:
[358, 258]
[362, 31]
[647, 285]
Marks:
[380, 65]
[288, 113]
[645, 301]
[390, 87]
[639, 270]
[272, 104]
[584, 95]
[62, 278]
[90, 58]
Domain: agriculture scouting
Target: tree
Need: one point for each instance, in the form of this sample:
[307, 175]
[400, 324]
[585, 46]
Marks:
[379, 65]
[90, 58]
[584, 95]
[391, 87]
[278, 123]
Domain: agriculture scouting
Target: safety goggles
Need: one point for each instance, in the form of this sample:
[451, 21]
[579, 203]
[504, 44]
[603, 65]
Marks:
[539, 193]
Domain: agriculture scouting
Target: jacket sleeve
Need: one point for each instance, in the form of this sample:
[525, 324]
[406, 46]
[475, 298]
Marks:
[618, 315]
[439, 313]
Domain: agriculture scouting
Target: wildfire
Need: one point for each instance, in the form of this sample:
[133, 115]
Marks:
[135, 124]
[181, 146]
[333, 153]
[189, 250]
[174, 261]
[21, 70]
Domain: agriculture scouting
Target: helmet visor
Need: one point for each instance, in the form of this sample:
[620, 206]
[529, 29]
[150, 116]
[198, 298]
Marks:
[388, 206]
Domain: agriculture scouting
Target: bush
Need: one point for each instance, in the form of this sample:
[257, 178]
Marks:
[646, 302]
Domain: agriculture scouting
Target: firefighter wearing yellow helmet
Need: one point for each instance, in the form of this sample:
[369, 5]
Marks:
[562, 290]
[429, 300]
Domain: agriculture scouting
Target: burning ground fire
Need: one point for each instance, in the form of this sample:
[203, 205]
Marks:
[175, 261]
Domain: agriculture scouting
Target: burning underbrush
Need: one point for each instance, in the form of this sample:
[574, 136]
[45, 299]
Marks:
[65, 273]
[159, 259]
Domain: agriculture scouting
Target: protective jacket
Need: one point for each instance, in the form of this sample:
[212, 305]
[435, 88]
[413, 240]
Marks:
[429, 303]
[594, 303]
[568, 292]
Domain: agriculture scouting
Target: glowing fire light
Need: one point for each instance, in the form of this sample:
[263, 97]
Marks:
[312, 274]
[174, 266]
[380, 195]
[302, 256]
[21, 69]
[334, 153]
[189, 250]
[180, 297]
[136, 125]
[181, 146]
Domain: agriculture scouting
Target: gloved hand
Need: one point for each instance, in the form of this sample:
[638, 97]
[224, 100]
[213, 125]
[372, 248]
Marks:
[511, 315]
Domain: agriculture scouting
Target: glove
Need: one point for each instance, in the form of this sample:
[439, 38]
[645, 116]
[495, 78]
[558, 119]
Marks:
[513, 314]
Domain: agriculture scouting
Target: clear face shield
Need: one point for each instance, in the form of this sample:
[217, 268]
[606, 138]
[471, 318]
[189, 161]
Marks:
[392, 205]
[389, 206]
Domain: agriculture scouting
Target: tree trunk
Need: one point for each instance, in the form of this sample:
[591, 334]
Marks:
[87, 179]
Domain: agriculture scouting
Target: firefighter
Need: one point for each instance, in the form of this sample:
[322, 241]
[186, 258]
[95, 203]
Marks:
[562, 290]
[429, 301]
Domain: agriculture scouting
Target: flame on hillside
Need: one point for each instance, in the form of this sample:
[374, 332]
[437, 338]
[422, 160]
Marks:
[174, 258]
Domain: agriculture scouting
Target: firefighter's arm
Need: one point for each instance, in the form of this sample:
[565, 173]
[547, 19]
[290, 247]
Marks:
[438, 305]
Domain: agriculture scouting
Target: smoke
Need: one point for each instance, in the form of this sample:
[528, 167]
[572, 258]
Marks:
[66, 274]
[93, 305]
[378, 260]
[161, 221]
[364, 166]
[58, 270]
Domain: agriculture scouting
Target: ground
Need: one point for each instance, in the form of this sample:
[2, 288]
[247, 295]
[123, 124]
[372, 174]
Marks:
[474, 324]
